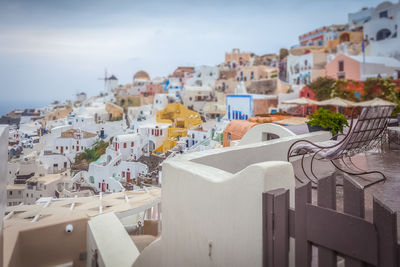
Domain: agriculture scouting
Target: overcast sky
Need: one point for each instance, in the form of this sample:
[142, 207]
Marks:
[51, 49]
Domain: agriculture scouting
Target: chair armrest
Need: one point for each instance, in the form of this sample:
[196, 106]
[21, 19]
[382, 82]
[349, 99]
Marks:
[299, 141]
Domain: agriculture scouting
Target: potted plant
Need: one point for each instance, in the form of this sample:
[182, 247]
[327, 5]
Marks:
[326, 120]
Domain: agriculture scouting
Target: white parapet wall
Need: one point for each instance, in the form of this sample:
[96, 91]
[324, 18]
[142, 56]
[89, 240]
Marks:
[212, 204]
[3, 180]
[108, 242]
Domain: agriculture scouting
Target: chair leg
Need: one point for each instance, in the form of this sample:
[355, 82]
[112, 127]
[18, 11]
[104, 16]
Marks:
[312, 165]
[304, 171]
[361, 173]
[353, 164]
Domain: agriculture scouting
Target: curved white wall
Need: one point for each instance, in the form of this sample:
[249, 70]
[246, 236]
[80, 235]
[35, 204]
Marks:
[257, 133]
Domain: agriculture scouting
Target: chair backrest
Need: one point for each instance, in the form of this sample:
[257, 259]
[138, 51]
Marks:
[366, 131]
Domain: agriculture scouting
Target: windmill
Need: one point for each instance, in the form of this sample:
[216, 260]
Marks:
[105, 79]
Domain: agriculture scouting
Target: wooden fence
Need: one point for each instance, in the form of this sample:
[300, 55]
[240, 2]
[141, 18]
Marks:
[331, 233]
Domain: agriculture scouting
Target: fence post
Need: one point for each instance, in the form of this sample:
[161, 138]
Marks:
[327, 199]
[353, 204]
[267, 229]
[303, 247]
[385, 221]
[281, 228]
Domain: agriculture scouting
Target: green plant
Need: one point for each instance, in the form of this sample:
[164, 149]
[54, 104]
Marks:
[92, 154]
[327, 119]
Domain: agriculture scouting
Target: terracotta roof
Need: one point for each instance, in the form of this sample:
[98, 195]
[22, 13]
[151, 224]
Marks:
[237, 128]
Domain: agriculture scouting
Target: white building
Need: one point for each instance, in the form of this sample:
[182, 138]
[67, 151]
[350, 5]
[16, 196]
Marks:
[155, 133]
[37, 187]
[173, 86]
[54, 163]
[197, 96]
[73, 142]
[197, 135]
[130, 146]
[239, 107]
[117, 166]
[140, 113]
[112, 83]
[356, 20]
[382, 30]
[80, 97]
[305, 68]
[203, 76]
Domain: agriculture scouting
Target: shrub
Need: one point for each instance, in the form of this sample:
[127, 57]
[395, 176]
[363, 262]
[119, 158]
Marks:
[327, 119]
[92, 154]
[322, 87]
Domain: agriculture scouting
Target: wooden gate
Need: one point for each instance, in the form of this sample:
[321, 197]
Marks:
[331, 233]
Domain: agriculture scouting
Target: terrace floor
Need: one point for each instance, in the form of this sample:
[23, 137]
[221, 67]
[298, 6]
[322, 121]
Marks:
[385, 160]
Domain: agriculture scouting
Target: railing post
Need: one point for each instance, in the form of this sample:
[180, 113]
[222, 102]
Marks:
[303, 247]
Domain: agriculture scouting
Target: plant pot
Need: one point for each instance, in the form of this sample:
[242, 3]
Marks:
[316, 128]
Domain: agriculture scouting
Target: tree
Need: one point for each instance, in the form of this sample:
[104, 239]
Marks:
[344, 89]
[322, 87]
[283, 52]
[384, 88]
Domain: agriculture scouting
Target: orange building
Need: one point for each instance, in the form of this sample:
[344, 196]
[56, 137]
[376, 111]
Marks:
[235, 131]
[153, 88]
[182, 72]
[237, 58]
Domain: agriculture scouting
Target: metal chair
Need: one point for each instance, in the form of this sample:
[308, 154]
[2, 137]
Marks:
[363, 135]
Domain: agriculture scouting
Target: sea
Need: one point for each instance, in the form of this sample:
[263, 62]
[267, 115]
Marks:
[7, 106]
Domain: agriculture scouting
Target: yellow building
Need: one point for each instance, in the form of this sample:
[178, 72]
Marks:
[56, 114]
[115, 112]
[181, 119]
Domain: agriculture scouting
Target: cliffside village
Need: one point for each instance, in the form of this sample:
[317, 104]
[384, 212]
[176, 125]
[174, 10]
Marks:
[76, 154]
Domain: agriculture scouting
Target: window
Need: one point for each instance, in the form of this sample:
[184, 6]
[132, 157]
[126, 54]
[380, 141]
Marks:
[132, 144]
[152, 131]
[252, 75]
[123, 174]
[383, 14]
[56, 147]
[383, 34]
[27, 195]
[160, 132]
[341, 65]
[124, 145]
[10, 193]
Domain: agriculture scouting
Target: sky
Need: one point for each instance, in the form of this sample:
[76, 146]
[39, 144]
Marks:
[52, 49]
